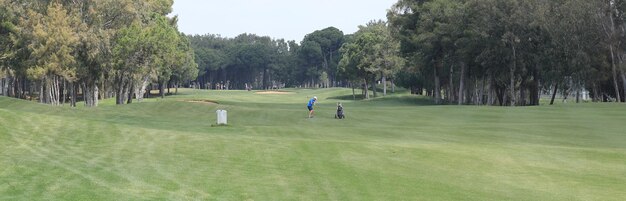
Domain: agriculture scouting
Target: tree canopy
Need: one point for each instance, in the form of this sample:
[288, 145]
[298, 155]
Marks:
[510, 52]
[91, 49]
[484, 52]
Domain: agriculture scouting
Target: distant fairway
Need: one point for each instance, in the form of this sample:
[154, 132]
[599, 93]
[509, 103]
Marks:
[394, 148]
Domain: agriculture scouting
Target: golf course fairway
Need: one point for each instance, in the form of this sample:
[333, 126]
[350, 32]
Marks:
[399, 147]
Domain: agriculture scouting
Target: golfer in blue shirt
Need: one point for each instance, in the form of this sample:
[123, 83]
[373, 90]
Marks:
[310, 106]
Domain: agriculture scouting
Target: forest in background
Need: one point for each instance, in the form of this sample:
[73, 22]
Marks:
[57, 51]
[482, 52]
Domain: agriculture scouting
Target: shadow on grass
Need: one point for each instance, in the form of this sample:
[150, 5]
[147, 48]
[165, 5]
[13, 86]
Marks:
[404, 100]
[348, 97]
[390, 100]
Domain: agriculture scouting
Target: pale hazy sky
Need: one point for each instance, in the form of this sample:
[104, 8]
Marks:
[288, 19]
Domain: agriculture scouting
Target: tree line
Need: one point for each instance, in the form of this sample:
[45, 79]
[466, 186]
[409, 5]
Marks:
[509, 52]
[55, 51]
[482, 52]
[262, 62]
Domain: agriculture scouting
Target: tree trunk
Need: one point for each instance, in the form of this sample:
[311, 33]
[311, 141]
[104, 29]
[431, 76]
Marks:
[52, 91]
[333, 78]
[384, 85]
[263, 78]
[556, 87]
[90, 94]
[597, 97]
[105, 92]
[578, 94]
[612, 37]
[474, 92]
[86, 98]
[200, 82]
[15, 88]
[534, 93]
[614, 70]
[393, 87]
[5, 85]
[169, 85]
[56, 94]
[374, 87]
[25, 83]
[18, 87]
[70, 91]
[87, 95]
[2, 93]
[367, 95]
[49, 91]
[437, 90]
[353, 95]
[5, 90]
[624, 85]
[73, 92]
[46, 90]
[362, 90]
[31, 89]
[8, 89]
[125, 91]
[501, 93]
[57, 90]
[119, 94]
[64, 92]
[481, 93]
[131, 91]
[522, 94]
[462, 84]
[148, 92]
[535, 88]
[490, 93]
[450, 92]
[95, 95]
[162, 89]
[512, 76]
[141, 91]
[42, 91]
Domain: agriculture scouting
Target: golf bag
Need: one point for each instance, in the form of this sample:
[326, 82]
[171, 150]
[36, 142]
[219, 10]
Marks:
[340, 114]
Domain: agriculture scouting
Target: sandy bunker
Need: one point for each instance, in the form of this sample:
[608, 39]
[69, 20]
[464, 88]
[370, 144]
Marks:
[274, 92]
[208, 102]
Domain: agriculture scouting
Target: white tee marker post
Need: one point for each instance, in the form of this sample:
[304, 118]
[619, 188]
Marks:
[221, 117]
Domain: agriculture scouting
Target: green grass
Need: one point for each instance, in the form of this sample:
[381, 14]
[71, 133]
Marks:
[395, 148]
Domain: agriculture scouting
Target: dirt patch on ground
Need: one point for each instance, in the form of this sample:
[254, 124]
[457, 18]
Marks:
[208, 102]
[274, 92]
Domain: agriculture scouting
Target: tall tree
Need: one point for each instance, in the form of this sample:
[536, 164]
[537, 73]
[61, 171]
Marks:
[7, 30]
[370, 52]
[52, 45]
[385, 56]
[320, 53]
[612, 21]
[424, 29]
